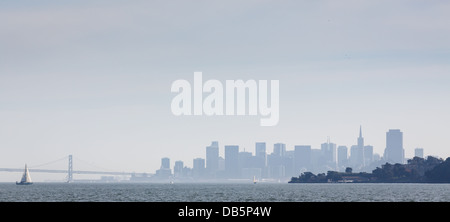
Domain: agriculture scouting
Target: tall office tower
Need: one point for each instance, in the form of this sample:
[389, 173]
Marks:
[368, 155]
[279, 149]
[165, 163]
[394, 152]
[198, 168]
[357, 157]
[329, 153]
[342, 156]
[260, 149]
[360, 139]
[178, 168]
[215, 143]
[261, 156]
[245, 160]
[232, 161]
[418, 152]
[164, 172]
[360, 157]
[302, 158]
[212, 158]
[221, 164]
[354, 154]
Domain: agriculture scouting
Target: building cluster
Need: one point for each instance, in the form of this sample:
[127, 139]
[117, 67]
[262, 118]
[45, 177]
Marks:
[282, 164]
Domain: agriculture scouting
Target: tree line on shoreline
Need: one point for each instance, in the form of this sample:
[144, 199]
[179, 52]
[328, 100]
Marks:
[417, 170]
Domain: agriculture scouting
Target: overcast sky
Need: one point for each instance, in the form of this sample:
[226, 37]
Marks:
[93, 78]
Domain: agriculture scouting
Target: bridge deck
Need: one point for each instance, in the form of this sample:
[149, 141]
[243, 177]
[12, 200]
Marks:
[74, 172]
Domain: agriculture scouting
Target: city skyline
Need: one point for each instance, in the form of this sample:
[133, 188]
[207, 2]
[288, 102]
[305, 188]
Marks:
[284, 163]
[331, 154]
[93, 79]
[359, 144]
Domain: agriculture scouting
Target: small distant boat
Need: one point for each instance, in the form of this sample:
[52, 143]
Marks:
[254, 180]
[345, 181]
[26, 179]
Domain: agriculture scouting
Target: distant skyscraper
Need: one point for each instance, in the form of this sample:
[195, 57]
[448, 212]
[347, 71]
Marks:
[394, 152]
[357, 152]
[418, 152]
[164, 172]
[165, 163]
[198, 168]
[354, 159]
[316, 159]
[212, 158]
[178, 168]
[261, 155]
[232, 161]
[245, 160]
[260, 149]
[302, 158]
[368, 155]
[279, 149]
[342, 156]
[329, 153]
[360, 153]
[221, 164]
[360, 138]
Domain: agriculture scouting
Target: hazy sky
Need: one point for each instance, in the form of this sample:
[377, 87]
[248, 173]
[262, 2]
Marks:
[93, 78]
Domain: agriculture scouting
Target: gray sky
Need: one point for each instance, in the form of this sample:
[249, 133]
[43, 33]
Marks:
[93, 78]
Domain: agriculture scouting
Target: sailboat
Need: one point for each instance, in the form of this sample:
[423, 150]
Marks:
[26, 179]
[254, 180]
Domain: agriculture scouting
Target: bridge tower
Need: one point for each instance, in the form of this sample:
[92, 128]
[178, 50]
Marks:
[70, 170]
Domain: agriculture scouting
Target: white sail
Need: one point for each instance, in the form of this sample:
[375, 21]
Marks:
[26, 176]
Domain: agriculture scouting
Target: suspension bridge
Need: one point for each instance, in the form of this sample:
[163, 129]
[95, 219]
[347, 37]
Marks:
[70, 171]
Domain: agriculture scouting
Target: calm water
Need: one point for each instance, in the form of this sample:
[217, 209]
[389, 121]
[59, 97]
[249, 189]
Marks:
[131, 192]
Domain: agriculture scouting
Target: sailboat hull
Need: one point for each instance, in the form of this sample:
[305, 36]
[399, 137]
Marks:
[24, 183]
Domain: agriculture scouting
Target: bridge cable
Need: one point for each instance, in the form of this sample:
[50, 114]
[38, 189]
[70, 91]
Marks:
[92, 165]
[48, 163]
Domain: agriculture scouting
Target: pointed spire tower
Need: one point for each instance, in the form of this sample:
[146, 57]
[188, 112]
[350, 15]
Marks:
[360, 138]
[361, 147]
[360, 131]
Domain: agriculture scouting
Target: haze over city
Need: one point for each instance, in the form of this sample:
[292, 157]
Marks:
[93, 79]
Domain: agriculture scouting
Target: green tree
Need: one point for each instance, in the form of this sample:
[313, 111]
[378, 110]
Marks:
[440, 173]
[334, 176]
[348, 170]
